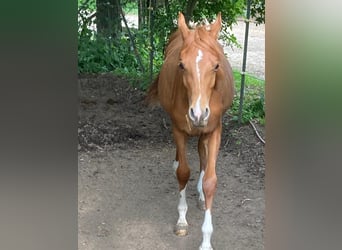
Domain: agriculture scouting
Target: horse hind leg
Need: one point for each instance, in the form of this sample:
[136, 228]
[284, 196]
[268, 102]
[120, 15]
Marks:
[201, 198]
[203, 155]
[209, 186]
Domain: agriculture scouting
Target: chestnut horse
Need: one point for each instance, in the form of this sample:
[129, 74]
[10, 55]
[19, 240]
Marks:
[195, 88]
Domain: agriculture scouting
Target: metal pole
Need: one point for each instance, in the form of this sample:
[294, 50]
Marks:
[243, 72]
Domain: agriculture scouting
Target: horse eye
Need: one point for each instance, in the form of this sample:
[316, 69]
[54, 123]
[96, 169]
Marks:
[216, 67]
[181, 66]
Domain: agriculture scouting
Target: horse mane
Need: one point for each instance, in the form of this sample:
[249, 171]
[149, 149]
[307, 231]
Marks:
[152, 93]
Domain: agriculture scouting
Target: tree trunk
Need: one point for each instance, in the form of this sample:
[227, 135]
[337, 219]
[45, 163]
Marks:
[108, 21]
[189, 12]
[143, 13]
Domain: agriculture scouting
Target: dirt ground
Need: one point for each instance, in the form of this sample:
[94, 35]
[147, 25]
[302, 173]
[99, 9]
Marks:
[127, 190]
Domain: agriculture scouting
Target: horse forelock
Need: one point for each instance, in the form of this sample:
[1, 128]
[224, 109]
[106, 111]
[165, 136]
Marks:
[201, 38]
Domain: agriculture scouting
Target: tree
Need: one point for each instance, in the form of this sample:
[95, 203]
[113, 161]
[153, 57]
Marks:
[108, 21]
[189, 10]
[142, 13]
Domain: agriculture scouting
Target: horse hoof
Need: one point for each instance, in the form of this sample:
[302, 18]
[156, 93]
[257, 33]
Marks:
[206, 248]
[201, 205]
[181, 230]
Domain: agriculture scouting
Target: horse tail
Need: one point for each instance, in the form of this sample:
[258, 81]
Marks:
[152, 93]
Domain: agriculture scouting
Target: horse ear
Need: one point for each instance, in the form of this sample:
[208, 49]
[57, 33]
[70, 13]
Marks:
[216, 26]
[182, 25]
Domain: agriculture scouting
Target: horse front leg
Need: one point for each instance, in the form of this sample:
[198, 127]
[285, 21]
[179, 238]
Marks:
[182, 172]
[209, 186]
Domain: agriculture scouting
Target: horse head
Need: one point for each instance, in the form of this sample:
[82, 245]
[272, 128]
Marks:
[199, 64]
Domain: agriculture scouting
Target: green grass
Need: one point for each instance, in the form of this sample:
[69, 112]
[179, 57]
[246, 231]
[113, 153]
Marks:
[254, 99]
[249, 79]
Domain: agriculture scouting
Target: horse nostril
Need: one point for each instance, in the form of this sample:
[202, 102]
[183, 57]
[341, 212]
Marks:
[192, 114]
[206, 114]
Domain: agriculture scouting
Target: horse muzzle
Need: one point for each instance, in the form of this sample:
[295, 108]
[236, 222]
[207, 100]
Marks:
[199, 117]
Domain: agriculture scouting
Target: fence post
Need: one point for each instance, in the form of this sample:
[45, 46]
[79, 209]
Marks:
[243, 72]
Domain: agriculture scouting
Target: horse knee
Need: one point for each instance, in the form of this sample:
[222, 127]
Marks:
[183, 175]
[209, 186]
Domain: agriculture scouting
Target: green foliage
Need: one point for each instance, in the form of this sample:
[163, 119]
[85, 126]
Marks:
[89, 5]
[97, 53]
[230, 9]
[254, 99]
[258, 11]
[103, 55]
[131, 8]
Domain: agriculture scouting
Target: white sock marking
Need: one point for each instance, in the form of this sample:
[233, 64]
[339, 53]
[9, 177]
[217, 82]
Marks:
[207, 230]
[175, 166]
[200, 186]
[182, 205]
[182, 208]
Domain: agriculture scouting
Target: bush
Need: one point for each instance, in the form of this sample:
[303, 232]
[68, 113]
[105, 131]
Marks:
[254, 99]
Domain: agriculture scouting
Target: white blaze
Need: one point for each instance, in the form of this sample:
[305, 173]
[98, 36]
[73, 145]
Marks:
[198, 59]
[197, 109]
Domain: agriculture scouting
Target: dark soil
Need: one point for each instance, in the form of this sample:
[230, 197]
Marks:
[127, 192]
